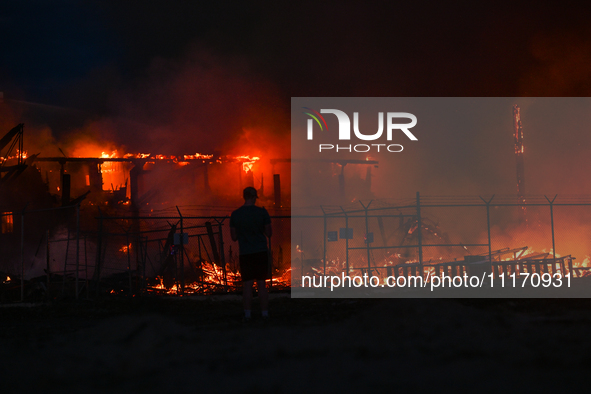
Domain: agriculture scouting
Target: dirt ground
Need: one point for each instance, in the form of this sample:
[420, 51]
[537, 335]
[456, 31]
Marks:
[152, 344]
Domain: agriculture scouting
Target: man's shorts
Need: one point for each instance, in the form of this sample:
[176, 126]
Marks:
[254, 266]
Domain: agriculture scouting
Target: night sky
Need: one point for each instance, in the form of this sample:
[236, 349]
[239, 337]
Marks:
[61, 51]
[126, 70]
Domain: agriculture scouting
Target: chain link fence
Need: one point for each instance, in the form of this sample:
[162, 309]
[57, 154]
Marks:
[180, 254]
[431, 235]
[78, 252]
[44, 252]
[82, 253]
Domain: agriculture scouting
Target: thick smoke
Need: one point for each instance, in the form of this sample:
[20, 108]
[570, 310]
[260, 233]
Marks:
[465, 148]
[560, 65]
[199, 104]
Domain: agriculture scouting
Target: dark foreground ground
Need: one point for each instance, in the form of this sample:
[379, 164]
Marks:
[201, 345]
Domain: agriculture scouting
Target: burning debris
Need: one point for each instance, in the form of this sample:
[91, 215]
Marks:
[139, 179]
[399, 240]
[125, 184]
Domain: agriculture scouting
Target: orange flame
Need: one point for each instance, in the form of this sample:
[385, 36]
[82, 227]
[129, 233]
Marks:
[247, 161]
[213, 277]
[125, 248]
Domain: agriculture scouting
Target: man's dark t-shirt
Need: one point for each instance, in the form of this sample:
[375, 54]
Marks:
[249, 222]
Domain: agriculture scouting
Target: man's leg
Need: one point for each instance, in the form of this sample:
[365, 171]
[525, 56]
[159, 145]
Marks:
[247, 297]
[263, 296]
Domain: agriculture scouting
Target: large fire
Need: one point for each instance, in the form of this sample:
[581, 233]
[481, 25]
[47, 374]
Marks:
[171, 175]
[246, 160]
[15, 156]
[115, 172]
[214, 280]
[438, 267]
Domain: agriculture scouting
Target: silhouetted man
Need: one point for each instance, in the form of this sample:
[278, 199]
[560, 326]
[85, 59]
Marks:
[250, 226]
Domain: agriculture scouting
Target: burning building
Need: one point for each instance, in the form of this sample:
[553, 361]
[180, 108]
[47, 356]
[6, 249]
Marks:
[128, 186]
[140, 179]
[449, 228]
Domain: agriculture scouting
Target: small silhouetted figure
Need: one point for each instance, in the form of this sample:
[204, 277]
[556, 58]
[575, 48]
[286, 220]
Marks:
[250, 226]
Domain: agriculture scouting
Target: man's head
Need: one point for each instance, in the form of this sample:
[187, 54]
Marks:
[249, 193]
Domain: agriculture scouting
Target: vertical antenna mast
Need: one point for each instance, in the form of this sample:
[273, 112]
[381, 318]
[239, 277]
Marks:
[518, 138]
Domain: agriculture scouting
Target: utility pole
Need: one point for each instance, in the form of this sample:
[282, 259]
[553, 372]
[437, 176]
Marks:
[518, 139]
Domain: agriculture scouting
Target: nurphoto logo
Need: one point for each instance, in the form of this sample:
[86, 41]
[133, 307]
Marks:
[345, 130]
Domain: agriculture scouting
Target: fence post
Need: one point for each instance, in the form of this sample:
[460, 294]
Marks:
[64, 272]
[269, 263]
[129, 263]
[144, 258]
[223, 255]
[99, 247]
[324, 243]
[302, 253]
[138, 268]
[346, 240]
[23, 254]
[47, 257]
[182, 252]
[367, 237]
[419, 234]
[551, 202]
[488, 230]
[77, 247]
[86, 283]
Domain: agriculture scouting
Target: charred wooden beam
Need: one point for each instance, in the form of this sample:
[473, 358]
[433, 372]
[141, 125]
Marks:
[216, 255]
[79, 199]
[66, 181]
[10, 135]
[277, 189]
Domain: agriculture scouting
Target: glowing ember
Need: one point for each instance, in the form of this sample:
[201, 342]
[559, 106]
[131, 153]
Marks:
[197, 156]
[16, 156]
[107, 156]
[214, 280]
[125, 248]
[136, 155]
[247, 162]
